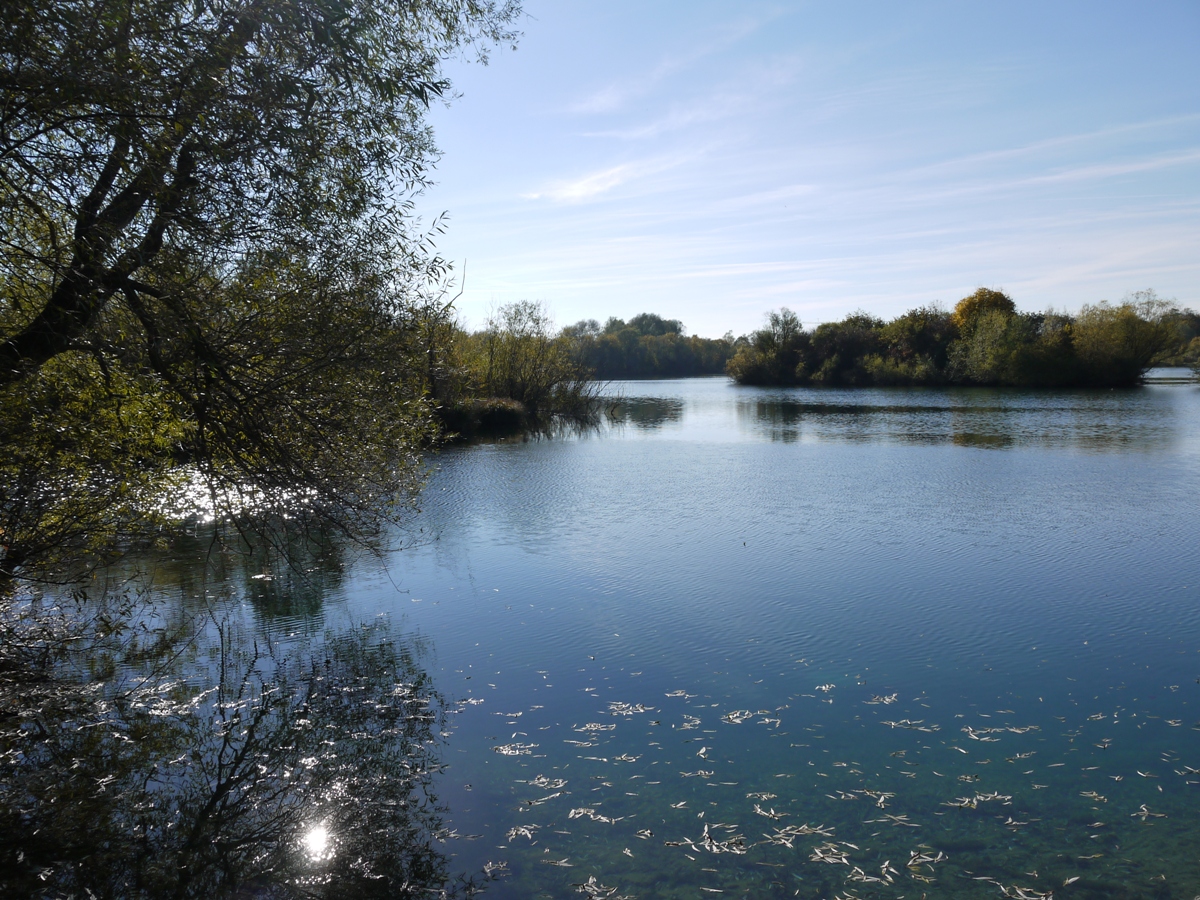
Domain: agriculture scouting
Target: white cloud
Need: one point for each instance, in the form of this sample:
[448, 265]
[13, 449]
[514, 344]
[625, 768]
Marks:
[588, 186]
[592, 185]
[1095, 136]
[1111, 170]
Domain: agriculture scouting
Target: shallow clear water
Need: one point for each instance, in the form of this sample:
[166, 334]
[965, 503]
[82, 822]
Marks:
[963, 624]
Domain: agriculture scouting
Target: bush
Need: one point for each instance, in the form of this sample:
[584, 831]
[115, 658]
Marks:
[1116, 344]
[925, 332]
[841, 346]
[984, 300]
[774, 354]
[518, 357]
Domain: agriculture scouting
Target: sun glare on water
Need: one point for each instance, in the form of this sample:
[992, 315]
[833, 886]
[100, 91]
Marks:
[316, 842]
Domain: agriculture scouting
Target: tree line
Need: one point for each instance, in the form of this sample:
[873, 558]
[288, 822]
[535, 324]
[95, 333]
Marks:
[984, 340]
[519, 369]
[647, 346]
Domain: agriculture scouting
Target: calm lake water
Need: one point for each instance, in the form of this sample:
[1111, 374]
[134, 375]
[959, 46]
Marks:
[813, 643]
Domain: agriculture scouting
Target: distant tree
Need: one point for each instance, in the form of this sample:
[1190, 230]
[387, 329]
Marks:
[987, 353]
[1186, 350]
[520, 357]
[841, 345]
[922, 332]
[774, 354]
[656, 326]
[1117, 344]
[971, 307]
[985, 341]
[647, 346]
[583, 328]
[613, 325]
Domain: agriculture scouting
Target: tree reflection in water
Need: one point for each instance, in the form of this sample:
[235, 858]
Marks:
[278, 771]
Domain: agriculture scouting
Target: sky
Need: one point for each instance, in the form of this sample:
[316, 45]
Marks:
[712, 161]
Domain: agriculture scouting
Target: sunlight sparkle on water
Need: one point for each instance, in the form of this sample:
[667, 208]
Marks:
[316, 842]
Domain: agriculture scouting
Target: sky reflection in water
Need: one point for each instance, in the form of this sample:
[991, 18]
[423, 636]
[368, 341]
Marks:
[808, 643]
[948, 627]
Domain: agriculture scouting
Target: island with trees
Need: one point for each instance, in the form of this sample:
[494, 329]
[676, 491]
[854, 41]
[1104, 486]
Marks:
[983, 341]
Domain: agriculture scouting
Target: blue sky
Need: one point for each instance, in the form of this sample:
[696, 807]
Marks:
[710, 161]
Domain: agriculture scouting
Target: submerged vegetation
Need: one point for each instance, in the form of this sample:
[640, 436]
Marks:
[984, 340]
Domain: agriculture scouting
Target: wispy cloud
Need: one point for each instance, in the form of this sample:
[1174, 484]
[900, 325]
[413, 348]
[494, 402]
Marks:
[588, 186]
[1111, 170]
[616, 95]
[1058, 142]
[607, 99]
[593, 184]
[677, 119]
[769, 197]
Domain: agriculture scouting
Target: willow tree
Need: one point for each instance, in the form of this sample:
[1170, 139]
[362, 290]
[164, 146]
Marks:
[207, 253]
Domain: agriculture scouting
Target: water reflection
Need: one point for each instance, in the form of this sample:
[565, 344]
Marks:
[215, 762]
[316, 842]
[286, 576]
[968, 418]
[646, 412]
[925, 667]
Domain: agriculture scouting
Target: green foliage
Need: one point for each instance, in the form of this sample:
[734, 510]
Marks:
[518, 372]
[839, 346]
[654, 325]
[985, 341]
[520, 365]
[987, 352]
[775, 354]
[278, 384]
[647, 346]
[146, 140]
[1186, 344]
[923, 334]
[878, 369]
[1046, 356]
[1191, 355]
[1116, 344]
[88, 446]
[521, 358]
[209, 260]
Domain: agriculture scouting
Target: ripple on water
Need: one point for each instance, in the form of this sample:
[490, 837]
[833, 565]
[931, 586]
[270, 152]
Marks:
[1014, 574]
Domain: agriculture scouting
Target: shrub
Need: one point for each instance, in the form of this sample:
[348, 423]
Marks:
[1117, 344]
[971, 307]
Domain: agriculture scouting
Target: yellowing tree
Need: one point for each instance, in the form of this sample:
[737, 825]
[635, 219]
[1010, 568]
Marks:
[971, 307]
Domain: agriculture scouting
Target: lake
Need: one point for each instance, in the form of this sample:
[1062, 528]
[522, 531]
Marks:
[808, 643]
